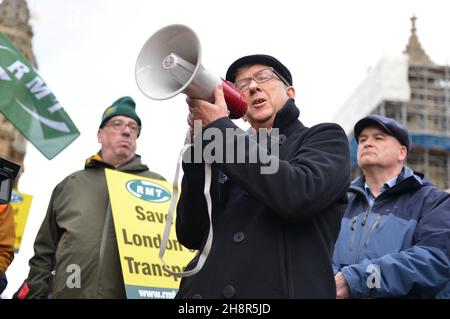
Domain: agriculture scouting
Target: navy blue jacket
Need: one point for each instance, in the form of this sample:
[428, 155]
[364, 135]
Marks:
[403, 238]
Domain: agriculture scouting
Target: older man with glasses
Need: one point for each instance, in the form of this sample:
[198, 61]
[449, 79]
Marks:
[273, 233]
[78, 228]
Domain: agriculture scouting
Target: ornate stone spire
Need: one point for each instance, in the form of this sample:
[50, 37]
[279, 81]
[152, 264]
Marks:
[414, 49]
[14, 16]
[14, 10]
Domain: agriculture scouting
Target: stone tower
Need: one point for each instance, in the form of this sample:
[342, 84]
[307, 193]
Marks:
[416, 53]
[14, 17]
[415, 91]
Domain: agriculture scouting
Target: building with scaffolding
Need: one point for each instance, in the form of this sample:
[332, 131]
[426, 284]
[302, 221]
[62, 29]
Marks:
[14, 23]
[415, 91]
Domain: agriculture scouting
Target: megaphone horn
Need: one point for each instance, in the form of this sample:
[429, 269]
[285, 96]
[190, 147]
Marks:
[169, 63]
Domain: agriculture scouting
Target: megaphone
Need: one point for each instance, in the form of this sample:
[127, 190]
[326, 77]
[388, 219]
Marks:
[169, 63]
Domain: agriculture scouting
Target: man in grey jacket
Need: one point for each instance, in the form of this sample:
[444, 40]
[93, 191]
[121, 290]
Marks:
[78, 232]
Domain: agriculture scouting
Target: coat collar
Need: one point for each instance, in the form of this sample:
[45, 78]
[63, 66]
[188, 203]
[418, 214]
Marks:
[288, 114]
[135, 164]
[408, 180]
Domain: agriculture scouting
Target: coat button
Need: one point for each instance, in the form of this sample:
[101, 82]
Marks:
[228, 292]
[282, 139]
[238, 237]
[196, 296]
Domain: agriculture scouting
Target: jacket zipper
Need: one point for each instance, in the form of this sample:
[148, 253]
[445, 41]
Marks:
[374, 226]
[102, 245]
[363, 223]
[352, 228]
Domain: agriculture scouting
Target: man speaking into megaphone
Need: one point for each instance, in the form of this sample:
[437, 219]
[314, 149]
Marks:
[273, 231]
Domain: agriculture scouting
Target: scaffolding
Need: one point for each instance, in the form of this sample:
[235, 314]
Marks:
[427, 115]
[426, 112]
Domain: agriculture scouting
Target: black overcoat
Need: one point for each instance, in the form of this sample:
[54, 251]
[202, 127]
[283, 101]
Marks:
[273, 233]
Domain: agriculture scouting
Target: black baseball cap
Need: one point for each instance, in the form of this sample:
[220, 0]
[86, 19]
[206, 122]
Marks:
[390, 126]
[258, 59]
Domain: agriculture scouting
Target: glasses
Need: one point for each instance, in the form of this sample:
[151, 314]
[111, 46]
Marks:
[118, 125]
[261, 76]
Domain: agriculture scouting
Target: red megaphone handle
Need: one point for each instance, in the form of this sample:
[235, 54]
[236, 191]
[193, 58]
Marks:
[236, 101]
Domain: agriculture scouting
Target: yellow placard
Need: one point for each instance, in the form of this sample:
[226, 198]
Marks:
[21, 204]
[139, 207]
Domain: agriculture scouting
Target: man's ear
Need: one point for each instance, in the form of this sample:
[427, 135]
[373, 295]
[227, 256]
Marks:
[403, 153]
[99, 135]
[290, 91]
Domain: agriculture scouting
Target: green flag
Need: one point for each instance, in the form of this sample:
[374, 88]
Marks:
[27, 102]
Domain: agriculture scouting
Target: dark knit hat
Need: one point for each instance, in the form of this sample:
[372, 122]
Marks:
[390, 126]
[123, 106]
[258, 59]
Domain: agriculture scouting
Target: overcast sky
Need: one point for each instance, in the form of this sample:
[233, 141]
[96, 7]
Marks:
[86, 52]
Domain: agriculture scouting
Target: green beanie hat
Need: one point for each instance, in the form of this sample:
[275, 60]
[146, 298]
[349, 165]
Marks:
[123, 106]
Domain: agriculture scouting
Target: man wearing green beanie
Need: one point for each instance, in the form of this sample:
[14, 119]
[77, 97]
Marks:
[78, 228]
[123, 106]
